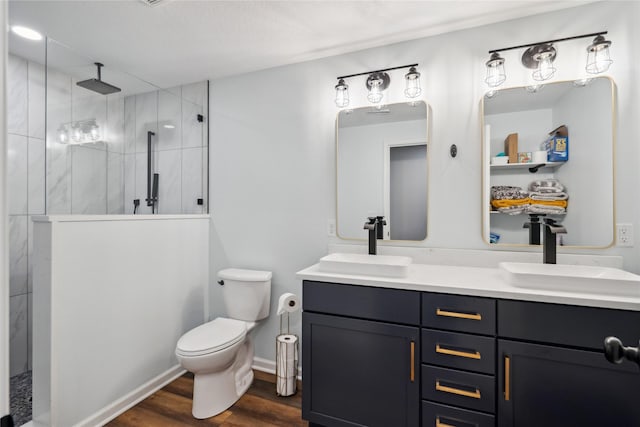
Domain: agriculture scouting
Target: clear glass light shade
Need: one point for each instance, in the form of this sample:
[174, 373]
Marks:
[545, 69]
[598, 60]
[76, 134]
[94, 132]
[495, 71]
[342, 94]
[375, 91]
[412, 80]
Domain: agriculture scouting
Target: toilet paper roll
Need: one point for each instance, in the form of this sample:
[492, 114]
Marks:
[539, 157]
[288, 303]
[286, 364]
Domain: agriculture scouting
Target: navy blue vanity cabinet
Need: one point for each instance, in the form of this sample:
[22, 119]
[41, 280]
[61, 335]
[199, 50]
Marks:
[458, 361]
[552, 371]
[360, 356]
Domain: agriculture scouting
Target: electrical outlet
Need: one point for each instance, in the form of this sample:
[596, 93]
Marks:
[331, 228]
[624, 235]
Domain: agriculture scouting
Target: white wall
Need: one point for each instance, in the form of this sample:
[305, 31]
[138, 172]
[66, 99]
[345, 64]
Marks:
[112, 296]
[587, 175]
[272, 142]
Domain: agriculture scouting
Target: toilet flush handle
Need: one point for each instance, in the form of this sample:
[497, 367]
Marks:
[221, 282]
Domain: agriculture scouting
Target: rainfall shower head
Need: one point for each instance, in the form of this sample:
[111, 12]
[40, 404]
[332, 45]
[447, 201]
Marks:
[97, 85]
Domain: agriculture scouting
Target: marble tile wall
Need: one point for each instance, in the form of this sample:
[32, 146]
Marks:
[26, 176]
[179, 148]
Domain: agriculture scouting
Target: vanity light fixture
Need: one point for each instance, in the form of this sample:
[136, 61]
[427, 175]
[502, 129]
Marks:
[377, 82]
[495, 71]
[540, 56]
[598, 60]
[342, 94]
[412, 83]
[80, 132]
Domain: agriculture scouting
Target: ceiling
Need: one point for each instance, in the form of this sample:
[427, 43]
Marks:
[181, 41]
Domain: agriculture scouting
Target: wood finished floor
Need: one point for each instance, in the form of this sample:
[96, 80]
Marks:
[259, 407]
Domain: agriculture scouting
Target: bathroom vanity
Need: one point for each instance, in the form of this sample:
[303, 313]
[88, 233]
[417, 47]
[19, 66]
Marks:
[457, 346]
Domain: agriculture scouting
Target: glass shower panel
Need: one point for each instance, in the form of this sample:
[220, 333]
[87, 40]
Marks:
[98, 156]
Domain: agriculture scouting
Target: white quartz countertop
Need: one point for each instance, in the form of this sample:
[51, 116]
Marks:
[473, 281]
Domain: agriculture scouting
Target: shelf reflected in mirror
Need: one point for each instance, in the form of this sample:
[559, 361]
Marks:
[586, 176]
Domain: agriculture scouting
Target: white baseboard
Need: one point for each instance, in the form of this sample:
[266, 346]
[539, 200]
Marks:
[269, 366]
[119, 406]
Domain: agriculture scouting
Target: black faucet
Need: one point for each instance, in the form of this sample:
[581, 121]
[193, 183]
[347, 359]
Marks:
[380, 231]
[373, 224]
[534, 228]
[549, 244]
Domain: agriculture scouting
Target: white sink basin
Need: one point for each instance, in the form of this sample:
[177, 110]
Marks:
[367, 265]
[572, 278]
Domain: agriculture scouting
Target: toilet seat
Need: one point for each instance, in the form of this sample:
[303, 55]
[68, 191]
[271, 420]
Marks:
[211, 337]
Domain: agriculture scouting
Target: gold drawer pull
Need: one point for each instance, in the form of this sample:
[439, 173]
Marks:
[445, 389]
[441, 424]
[507, 378]
[445, 313]
[413, 361]
[468, 355]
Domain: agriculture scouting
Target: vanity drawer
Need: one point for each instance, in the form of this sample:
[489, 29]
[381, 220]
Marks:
[365, 302]
[460, 351]
[459, 313]
[464, 389]
[438, 415]
[569, 325]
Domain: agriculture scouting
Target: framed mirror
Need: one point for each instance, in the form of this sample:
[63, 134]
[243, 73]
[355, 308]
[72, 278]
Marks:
[549, 153]
[382, 169]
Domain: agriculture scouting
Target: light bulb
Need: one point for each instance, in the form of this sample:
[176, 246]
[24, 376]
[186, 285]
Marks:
[76, 134]
[495, 71]
[545, 69]
[412, 79]
[94, 132]
[62, 135]
[342, 94]
[375, 92]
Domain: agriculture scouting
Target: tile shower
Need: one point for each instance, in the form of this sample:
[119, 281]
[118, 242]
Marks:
[49, 177]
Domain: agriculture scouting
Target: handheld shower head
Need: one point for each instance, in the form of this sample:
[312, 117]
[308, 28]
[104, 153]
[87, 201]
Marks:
[97, 85]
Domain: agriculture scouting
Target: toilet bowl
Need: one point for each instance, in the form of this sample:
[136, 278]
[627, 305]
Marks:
[220, 352]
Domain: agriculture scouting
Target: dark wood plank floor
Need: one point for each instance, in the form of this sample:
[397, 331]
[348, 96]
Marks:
[259, 407]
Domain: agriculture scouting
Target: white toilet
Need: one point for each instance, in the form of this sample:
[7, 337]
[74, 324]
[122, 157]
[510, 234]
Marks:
[220, 352]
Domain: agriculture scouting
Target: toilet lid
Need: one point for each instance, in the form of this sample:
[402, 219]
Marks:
[213, 336]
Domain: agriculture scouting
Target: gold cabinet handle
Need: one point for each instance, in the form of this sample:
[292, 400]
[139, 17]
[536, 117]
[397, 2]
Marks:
[441, 424]
[412, 370]
[507, 378]
[452, 390]
[470, 316]
[468, 355]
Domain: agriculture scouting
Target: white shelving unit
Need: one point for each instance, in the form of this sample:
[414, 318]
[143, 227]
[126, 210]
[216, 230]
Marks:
[513, 166]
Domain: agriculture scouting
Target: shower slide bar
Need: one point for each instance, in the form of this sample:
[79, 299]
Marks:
[152, 189]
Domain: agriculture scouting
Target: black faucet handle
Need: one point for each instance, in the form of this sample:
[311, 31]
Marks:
[372, 219]
[381, 220]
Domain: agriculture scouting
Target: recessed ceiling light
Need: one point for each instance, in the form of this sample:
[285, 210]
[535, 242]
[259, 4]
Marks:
[169, 126]
[27, 33]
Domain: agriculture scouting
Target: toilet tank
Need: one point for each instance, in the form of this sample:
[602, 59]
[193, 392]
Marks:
[246, 293]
